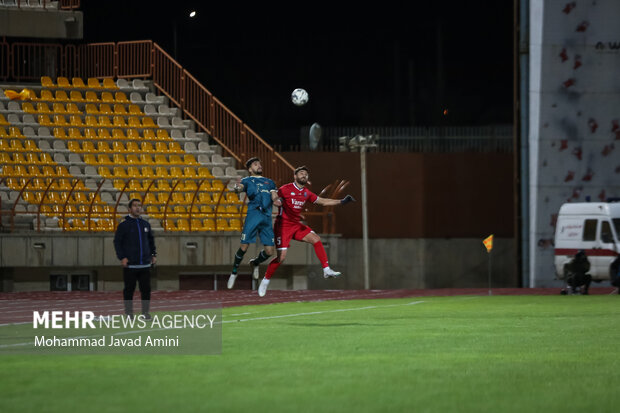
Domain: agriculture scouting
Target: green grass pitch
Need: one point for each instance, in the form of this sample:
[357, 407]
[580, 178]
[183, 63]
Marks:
[426, 354]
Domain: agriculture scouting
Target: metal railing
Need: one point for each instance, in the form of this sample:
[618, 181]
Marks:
[145, 59]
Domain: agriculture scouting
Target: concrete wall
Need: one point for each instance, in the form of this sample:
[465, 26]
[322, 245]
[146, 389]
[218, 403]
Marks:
[41, 23]
[395, 263]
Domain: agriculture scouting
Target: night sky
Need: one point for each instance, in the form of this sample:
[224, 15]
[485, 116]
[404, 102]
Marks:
[382, 64]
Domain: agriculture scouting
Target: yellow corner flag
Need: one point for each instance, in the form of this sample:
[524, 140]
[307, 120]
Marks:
[488, 242]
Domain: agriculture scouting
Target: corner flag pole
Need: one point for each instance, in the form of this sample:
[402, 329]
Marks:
[488, 243]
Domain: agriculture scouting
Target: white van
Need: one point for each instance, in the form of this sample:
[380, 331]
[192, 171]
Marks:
[590, 226]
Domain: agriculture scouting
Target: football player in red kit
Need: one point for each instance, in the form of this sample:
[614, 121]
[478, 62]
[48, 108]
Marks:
[288, 224]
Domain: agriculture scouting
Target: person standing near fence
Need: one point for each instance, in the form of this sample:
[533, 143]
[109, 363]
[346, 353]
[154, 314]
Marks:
[135, 248]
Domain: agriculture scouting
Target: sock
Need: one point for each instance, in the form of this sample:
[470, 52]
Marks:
[261, 257]
[238, 258]
[319, 250]
[272, 267]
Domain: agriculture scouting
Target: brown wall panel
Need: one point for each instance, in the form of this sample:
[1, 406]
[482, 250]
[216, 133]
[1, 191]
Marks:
[413, 195]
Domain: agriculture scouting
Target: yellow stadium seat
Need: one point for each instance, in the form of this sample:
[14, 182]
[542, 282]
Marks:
[235, 224]
[104, 172]
[104, 159]
[16, 145]
[161, 159]
[133, 134]
[75, 120]
[59, 133]
[205, 198]
[188, 171]
[57, 108]
[133, 147]
[44, 120]
[118, 134]
[103, 133]
[190, 185]
[3, 133]
[150, 199]
[161, 147]
[176, 172]
[105, 109]
[134, 122]
[149, 134]
[91, 109]
[32, 158]
[161, 172]
[175, 160]
[147, 172]
[90, 158]
[60, 120]
[222, 224]
[63, 82]
[190, 159]
[108, 83]
[46, 158]
[103, 146]
[208, 225]
[61, 95]
[121, 97]
[204, 172]
[62, 171]
[46, 81]
[78, 82]
[90, 133]
[15, 132]
[3, 120]
[132, 159]
[147, 147]
[147, 122]
[74, 146]
[104, 121]
[117, 146]
[135, 110]
[120, 110]
[76, 96]
[196, 224]
[47, 95]
[119, 159]
[91, 121]
[107, 97]
[28, 108]
[175, 147]
[217, 185]
[73, 109]
[29, 145]
[178, 198]
[133, 172]
[163, 185]
[91, 96]
[74, 133]
[93, 83]
[119, 172]
[4, 146]
[43, 108]
[182, 225]
[119, 122]
[163, 134]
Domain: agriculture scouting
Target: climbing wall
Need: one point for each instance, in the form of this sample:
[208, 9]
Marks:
[574, 100]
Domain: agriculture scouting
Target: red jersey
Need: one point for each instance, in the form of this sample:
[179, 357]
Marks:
[293, 200]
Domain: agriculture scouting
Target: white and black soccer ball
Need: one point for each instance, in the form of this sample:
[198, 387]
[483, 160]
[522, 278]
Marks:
[299, 97]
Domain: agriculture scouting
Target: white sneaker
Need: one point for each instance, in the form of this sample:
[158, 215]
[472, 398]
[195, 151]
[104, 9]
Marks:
[231, 281]
[255, 270]
[329, 273]
[262, 288]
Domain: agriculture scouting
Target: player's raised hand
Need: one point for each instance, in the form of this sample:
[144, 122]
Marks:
[347, 199]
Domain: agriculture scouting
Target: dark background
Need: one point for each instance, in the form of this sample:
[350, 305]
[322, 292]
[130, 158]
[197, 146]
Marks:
[380, 64]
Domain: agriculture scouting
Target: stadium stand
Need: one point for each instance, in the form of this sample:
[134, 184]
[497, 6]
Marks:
[74, 154]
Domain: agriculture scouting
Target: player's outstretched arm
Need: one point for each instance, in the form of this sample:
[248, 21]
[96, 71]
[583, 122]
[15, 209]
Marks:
[333, 202]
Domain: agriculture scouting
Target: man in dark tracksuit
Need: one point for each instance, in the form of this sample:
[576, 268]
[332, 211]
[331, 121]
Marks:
[135, 248]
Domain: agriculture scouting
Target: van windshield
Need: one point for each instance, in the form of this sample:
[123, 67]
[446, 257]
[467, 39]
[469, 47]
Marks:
[616, 222]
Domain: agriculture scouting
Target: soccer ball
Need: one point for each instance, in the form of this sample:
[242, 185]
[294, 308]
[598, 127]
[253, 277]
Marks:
[299, 97]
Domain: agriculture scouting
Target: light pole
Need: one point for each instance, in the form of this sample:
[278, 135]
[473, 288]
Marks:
[362, 143]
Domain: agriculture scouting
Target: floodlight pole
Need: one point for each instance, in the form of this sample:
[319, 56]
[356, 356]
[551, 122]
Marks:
[364, 218]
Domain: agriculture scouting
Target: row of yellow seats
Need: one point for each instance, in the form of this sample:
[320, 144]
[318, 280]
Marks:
[63, 184]
[163, 185]
[160, 172]
[143, 160]
[14, 132]
[146, 148]
[92, 225]
[100, 121]
[207, 225]
[76, 96]
[57, 197]
[91, 109]
[46, 171]
[187, 198]
[103, 133]
[180, 211]
[78, 82]
[18, 145]
[27, 158]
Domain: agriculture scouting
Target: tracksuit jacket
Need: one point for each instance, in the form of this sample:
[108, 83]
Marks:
[134, 240]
